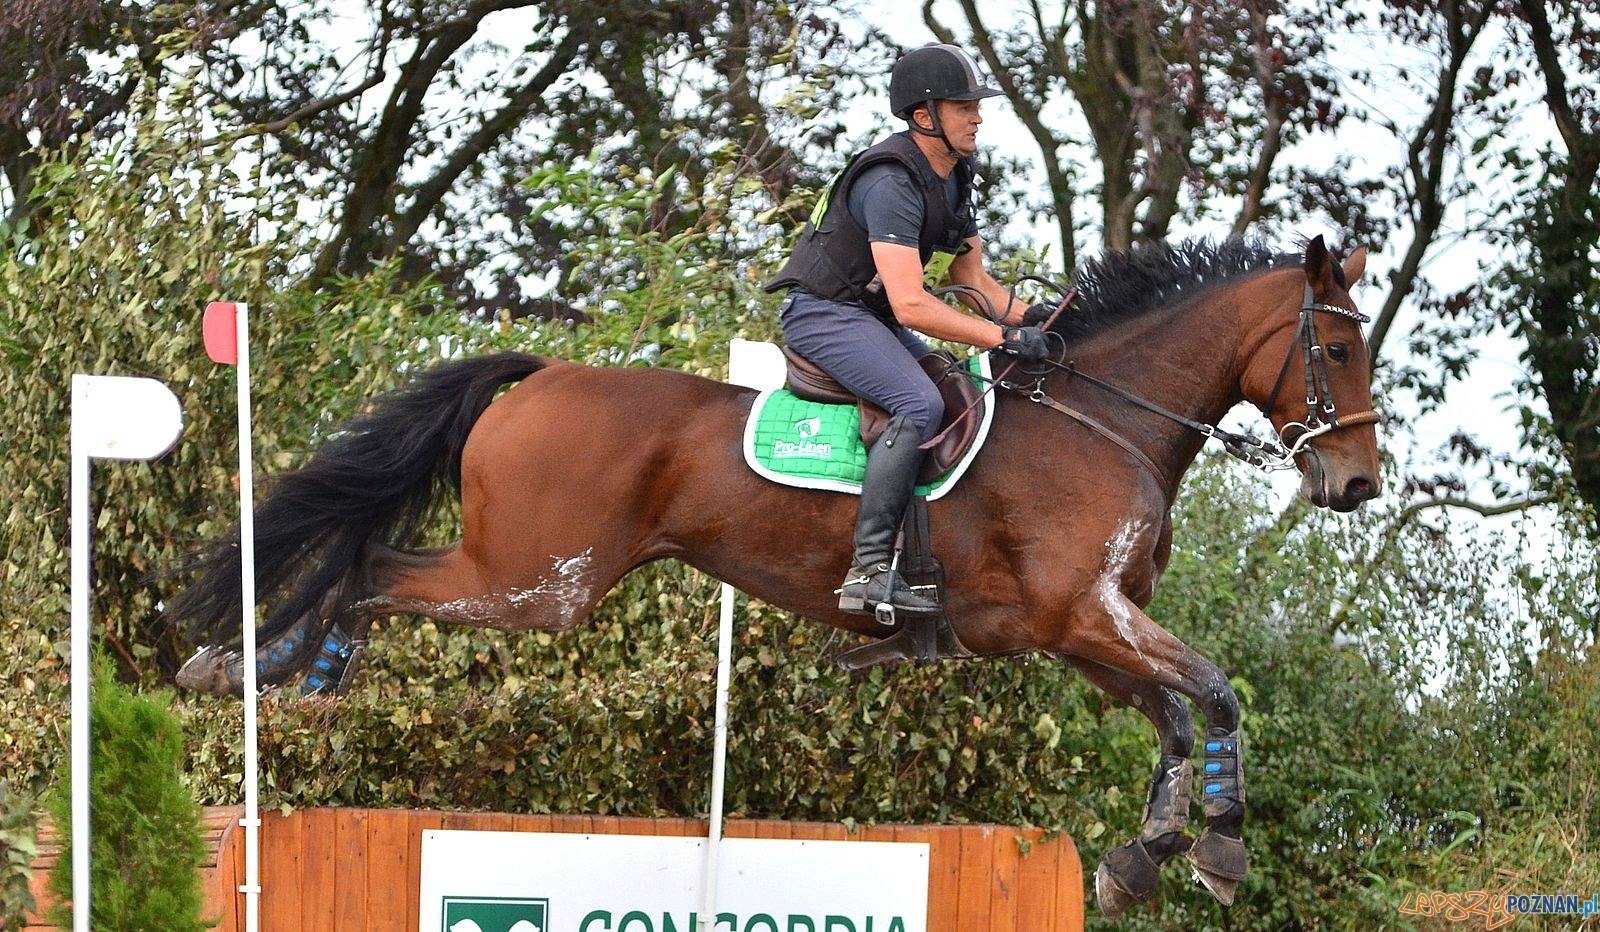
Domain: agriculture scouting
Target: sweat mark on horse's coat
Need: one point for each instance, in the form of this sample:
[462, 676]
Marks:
[558, 602]
[1119, 556]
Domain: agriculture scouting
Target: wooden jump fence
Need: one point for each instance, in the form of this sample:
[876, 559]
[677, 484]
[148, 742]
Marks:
[356, 870]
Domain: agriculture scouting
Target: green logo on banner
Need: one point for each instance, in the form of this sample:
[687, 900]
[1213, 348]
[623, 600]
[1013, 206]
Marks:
[495, 914]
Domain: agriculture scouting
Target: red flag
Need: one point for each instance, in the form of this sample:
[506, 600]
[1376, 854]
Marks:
[221, 330]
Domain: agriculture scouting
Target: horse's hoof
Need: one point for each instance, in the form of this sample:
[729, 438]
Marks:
[1126, 876]
[213, 671]
[1219, 863]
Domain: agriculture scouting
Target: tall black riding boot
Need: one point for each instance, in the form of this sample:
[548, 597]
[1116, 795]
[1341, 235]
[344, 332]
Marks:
[891, 477]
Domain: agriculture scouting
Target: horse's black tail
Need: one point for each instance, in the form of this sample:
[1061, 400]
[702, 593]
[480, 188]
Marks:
[377, 478]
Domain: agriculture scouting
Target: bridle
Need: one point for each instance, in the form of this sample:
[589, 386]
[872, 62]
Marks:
[1322, 413]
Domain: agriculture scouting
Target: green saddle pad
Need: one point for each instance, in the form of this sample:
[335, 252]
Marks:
[812, 445]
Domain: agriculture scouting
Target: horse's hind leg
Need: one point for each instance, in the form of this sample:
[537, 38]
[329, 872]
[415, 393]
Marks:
[219, 671]
[325, 644]
[555, 593]
[339, 656]
[441, 583]
[1131, 873]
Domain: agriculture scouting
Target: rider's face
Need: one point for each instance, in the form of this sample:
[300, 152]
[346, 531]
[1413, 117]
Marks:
[960, 120]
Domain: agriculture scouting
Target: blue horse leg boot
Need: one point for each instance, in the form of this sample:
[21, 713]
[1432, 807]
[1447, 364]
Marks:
[1218, 856]
[1221, 782]
[335, 664]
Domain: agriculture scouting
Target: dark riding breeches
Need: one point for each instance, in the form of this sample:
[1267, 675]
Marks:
[874, 359]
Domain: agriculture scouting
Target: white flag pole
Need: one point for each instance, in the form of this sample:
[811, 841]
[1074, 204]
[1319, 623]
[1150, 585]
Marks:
[247, 594]
[80, 661]
[113, 417]
[719, 759]
[757, 365]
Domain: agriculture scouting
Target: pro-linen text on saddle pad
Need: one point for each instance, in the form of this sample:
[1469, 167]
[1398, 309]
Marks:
[812, 445]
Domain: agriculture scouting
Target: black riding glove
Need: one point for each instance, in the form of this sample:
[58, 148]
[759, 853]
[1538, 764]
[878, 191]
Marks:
[1037, 314]
[1026, 343]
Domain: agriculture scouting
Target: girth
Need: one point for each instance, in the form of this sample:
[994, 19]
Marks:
[961, 396]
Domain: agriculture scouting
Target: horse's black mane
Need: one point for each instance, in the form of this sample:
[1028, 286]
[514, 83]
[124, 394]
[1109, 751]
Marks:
[1120, 286]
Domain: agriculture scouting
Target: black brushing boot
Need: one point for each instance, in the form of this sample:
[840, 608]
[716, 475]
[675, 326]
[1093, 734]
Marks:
[891, 477]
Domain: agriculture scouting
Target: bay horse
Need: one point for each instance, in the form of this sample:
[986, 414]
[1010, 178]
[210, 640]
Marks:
[1052, 542]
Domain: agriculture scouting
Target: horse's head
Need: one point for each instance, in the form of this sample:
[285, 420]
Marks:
[1311, 375]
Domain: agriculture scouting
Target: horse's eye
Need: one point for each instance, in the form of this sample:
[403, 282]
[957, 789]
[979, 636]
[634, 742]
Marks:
[1338, 352]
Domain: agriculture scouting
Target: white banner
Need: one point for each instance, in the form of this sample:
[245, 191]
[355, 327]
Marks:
[550, 882]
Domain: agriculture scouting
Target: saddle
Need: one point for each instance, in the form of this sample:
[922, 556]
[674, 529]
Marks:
[961, 396]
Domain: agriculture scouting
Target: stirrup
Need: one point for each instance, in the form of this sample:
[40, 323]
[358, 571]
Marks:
[869, 591]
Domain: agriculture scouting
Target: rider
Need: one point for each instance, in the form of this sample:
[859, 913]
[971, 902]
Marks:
[901, 210]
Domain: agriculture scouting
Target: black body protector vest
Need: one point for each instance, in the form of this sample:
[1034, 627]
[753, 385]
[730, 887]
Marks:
[832, 259]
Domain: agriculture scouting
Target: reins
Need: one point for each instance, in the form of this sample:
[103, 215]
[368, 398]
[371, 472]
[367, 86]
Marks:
[1322, 416]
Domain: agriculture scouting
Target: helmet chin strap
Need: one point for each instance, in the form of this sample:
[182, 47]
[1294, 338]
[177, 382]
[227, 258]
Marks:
[937, 131]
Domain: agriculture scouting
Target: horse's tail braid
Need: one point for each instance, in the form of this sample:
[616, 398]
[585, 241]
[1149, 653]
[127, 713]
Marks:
[377, 477]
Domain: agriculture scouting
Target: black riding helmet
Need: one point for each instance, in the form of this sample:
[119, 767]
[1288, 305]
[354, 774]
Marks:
[934, 72]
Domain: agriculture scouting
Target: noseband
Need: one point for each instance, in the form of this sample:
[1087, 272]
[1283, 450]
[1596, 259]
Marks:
[1322, 414]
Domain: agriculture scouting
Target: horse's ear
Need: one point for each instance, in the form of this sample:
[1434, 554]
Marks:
[1319, 266]
[1356, 265]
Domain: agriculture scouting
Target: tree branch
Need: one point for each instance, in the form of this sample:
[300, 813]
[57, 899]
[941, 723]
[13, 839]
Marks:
[1272, 102]
[1555, 78]
[1392, 533]
[378, 165]
[1432, 140]
[426, 196]
[773, 161]
[1028, 111]
[299, 116]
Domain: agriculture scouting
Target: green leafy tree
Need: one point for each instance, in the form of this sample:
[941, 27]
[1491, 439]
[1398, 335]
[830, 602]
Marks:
[130, 246]
[1549, 293]
[146, 845]
[1175, 113]
[419, 121]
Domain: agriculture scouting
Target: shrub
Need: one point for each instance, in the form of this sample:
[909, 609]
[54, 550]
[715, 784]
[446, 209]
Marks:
[146, 845]
[18, 845]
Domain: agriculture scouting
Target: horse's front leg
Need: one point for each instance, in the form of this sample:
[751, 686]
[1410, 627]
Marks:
[1118, 636]
[1131, 873]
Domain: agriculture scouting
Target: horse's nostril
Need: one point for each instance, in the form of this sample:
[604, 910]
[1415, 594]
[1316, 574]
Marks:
[1360, 489]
